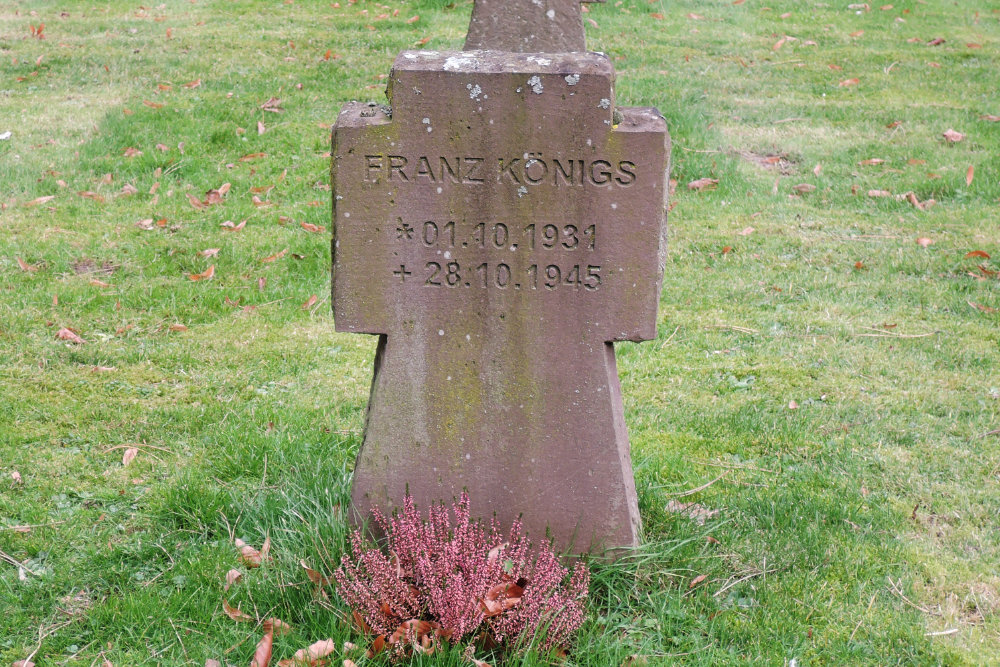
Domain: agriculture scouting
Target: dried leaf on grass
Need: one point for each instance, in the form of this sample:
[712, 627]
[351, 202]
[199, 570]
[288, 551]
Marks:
[695, 511]
[87, 194]
[39, 200]
[28, 268]
[703, 184]
[236, 613]
[250, 556]
[314, 576]
[232, 577]
[68, 334]
[129, 455]
[924, 242]
[981, 307]
[952, 136]
[204, 275]
[276, 256]
[981, 254]
[277, 626]
[311, 655]
[262, 656]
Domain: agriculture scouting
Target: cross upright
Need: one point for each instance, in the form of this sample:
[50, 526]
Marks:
[531, 26]
[499, 228]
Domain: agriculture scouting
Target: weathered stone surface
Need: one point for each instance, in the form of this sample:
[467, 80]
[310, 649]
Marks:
[499, 234]
[527, 26]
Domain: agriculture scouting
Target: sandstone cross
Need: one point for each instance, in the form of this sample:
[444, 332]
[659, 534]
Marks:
[499, 228]
[532, 26]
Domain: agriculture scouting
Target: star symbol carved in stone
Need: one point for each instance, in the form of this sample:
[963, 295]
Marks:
[404, 230]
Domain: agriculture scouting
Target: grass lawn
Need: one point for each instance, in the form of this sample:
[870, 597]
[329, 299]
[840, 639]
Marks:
[839, 376]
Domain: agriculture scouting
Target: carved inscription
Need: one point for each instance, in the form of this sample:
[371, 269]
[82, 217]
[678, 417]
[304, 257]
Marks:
[528, 257]
[529, 169]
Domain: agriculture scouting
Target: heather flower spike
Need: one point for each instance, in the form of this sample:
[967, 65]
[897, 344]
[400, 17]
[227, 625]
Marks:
[449, 578]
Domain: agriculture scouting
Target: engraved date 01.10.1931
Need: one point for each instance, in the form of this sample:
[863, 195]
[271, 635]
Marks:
[499, 235]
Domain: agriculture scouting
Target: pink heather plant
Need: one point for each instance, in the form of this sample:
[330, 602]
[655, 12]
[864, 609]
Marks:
[478, 584]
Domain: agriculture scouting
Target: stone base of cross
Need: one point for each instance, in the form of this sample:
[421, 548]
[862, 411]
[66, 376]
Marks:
[499, 231]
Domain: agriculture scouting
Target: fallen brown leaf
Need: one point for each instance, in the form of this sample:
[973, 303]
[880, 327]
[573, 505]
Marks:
[849, 82]
[697, 580]
[39, 200]
[982, 254]
[310, 302]
[985, 309]
[952, 136]
[87, 194]
[703, 184]
[260, 128]
[314, 576]
[232, 577]
[314, 652]
[872, 161]
[969, 175]
[129, 456]
[879, 193]
[177, 327]
[215, 196]
[229, 226]
[204, 275]
[250, 556]
[924, 242]
[195, 202]
[252, 156]
[28, 268]
[309, 227]
[208, 252]
[912, 198]
[991, 118]
[378, 645]
[236, 613]
[69, 335]
[275, 257]
[803, 188]
[16, 477]
[277, 626]
[131, 151]
[272, 105]
[262, 656]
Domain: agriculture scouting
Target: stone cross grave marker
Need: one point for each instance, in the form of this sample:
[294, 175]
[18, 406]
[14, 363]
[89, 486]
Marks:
[499, 228]
[532, 26]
